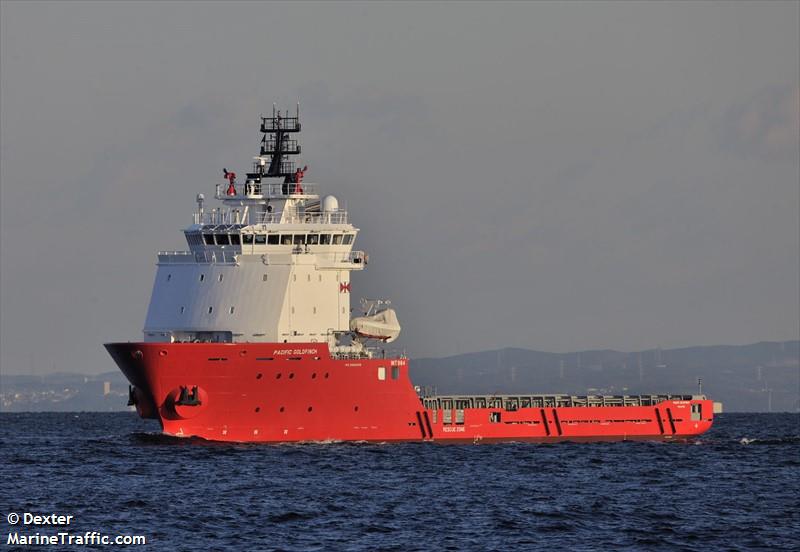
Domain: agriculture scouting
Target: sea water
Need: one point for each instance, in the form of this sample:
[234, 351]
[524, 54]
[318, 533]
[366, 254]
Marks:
[735, 488]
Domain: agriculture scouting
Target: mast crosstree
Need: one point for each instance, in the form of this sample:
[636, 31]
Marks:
[278, 142]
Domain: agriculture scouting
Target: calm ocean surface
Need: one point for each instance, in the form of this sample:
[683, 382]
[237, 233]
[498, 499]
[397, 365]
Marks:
[736, 488]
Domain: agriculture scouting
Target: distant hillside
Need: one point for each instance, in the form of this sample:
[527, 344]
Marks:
[744, 378]
[760, 377]
[64, 392]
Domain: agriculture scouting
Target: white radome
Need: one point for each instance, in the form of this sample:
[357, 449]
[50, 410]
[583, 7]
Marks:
[330, 204]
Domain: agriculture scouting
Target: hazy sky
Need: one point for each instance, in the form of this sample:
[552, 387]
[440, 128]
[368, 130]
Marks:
[556, 176]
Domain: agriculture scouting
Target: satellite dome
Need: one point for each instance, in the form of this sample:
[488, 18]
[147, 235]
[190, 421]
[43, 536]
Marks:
[330, 204]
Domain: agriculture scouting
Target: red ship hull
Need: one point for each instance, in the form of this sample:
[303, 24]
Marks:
[294, 392]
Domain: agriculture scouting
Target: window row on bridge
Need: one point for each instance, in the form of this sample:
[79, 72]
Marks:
[197, 238]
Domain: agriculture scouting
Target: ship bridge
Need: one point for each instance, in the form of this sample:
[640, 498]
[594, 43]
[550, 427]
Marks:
[271, 263]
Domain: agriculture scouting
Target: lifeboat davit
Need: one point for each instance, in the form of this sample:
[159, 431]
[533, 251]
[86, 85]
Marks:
[382, 325]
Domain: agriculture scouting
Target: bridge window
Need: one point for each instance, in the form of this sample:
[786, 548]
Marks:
[261, 239]
[247, 239]
[337, 239]
[325, 239]
[494, 417]
[209, 239]
[381, 373]
[222, 239]
[312, 239]
[273, 239]
[286, 239]
[395, 372]
[348, 239]
[299, 239]
[234, 239]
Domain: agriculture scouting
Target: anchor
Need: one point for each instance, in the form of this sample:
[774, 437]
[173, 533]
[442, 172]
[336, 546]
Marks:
[188, 399]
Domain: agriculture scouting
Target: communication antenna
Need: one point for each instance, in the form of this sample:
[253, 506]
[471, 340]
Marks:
[200, 199]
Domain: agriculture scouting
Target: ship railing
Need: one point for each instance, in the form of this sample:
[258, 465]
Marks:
[220, 217]
[353, 260]
[390, 354]
[286, 124]
[260, 190]
[373, 353]
[288, 146]
[350, 356]
[193, 257]
[338, 217]
[516, 402]
[355, 257]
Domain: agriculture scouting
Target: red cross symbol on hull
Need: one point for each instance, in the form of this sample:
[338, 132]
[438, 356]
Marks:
[344, 287]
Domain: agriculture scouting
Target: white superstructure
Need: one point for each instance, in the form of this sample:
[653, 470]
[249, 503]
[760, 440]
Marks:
[271, 264]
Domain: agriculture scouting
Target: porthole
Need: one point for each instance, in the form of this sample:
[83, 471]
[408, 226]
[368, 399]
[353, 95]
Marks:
[278, 375]
[210, 310]
[202, 277]
[291, 375]
[355, 409]
[183, 309]
[232, 309]
[281, 409]
[258, 409]
[326, 375]
[169, 277]
[220, 277]
[162, 352]
[314, 375]
[259, 375]
[264, 278]
[310, 408]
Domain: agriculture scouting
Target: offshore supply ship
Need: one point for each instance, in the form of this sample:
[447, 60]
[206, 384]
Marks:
[249, 337]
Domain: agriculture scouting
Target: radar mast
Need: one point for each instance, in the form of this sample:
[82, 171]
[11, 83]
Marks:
[278, 142]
